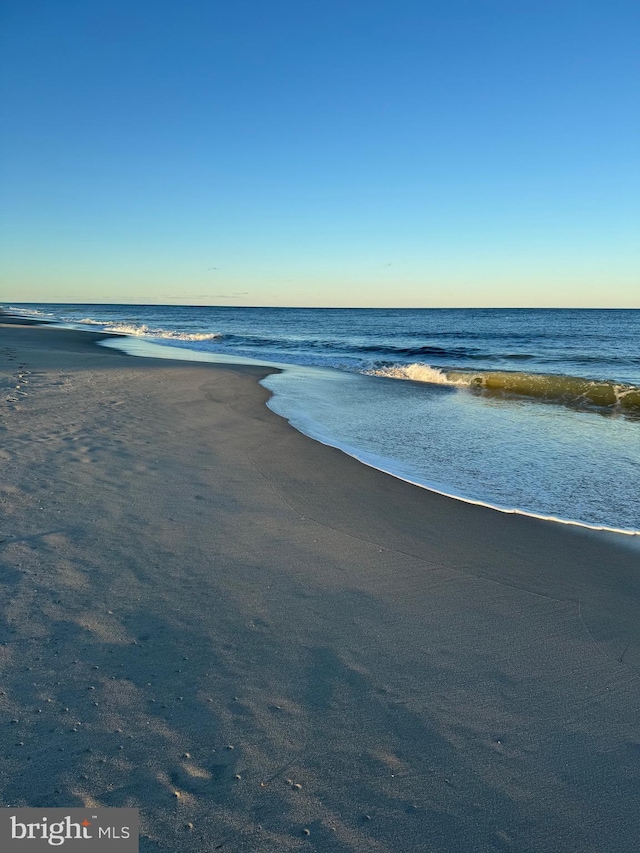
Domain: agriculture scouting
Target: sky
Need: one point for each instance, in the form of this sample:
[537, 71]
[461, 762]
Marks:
[335, 153]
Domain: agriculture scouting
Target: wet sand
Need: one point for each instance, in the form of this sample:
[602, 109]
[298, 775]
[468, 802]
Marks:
[267, 646]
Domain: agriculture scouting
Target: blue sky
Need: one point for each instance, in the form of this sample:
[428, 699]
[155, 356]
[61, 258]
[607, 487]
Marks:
[336, 153]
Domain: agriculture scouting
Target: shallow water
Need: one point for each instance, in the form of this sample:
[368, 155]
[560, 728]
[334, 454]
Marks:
[544, 460]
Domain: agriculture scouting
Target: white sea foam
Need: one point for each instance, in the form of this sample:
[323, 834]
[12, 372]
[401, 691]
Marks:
[29, 311]
[89, 322]
[145, 332]
[417, 372]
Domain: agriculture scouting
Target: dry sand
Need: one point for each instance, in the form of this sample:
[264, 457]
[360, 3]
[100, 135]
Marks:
[251, 636]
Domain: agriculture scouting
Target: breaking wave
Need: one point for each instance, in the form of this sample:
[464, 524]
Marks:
[416, 373]
[31, 312]
[570, 390]
[146, 332]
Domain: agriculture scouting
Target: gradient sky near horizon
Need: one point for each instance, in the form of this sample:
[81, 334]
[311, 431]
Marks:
[449, 153]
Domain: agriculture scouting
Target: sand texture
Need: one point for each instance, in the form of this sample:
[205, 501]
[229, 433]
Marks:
[267, 646]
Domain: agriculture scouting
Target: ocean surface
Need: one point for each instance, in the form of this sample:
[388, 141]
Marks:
[534, 411]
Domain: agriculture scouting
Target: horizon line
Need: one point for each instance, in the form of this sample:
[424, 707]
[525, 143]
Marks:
[354, 307]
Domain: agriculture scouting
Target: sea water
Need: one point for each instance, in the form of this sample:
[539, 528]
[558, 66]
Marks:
[536, 411]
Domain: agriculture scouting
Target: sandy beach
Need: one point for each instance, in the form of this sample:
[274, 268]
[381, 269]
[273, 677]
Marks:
[265, 645]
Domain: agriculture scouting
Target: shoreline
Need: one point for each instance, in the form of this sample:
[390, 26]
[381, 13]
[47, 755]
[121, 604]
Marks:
[152, 349]
[466, 679]
[361, 457]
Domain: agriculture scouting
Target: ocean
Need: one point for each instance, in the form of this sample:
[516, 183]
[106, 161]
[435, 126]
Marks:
[534, 411]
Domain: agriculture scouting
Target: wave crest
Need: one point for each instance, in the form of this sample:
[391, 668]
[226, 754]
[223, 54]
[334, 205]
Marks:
[570, 390]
